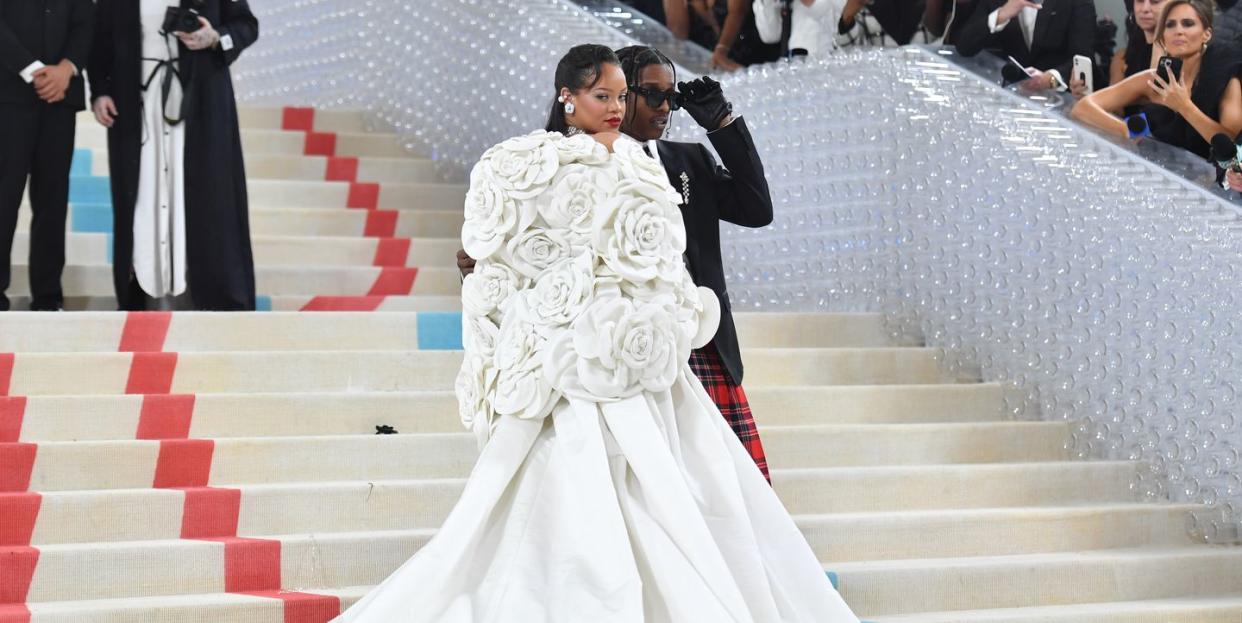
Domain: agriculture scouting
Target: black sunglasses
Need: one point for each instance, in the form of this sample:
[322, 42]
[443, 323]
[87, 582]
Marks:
[655, 98]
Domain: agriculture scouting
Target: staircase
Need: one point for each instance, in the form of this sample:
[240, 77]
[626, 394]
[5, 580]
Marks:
[223, 467]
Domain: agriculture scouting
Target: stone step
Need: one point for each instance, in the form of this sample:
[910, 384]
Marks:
[84, 280]
[803, 329]
[1225, 609]
[910, 403]
[265, 221]
[312, 168]
[79, 516]
[41, 374]
[327, 507]
[218, 415]
[66, 466]
[851, 445]
[888, 587]
[365, 303]
[262, 331]
[295, 251]
[375, 145]
[272, 117]
[335, 195]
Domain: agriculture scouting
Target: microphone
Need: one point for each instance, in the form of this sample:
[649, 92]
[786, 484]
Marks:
[1225, 153]
[1137, 125]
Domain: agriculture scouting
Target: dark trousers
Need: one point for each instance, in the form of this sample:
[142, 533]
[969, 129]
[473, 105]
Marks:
[36, 141]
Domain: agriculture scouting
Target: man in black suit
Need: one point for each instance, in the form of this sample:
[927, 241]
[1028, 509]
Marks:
[43, 49]
[1043, 36]
[736, 193]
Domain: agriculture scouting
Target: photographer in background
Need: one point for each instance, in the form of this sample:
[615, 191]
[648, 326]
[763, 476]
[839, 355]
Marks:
[160, 83]
[1043, 36]
[43, 51]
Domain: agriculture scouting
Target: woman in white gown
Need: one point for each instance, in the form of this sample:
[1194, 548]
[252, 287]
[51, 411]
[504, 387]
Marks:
[609, 488]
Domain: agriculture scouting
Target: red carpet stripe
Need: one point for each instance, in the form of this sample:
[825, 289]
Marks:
[320, 144]
[14, 613]
[210, 512]
[298, 119]
[341, 169]
[343, 303]
[250, 564]
[184, 463]
[17, 566]
[12, 412]
[394, 282]
[6, 372]
[364, 195]
[16, 465]
[381, 224]
[165, 416]
[151, 373]
[18, 512]
[392, 252]
[304, 607]
[145, 332]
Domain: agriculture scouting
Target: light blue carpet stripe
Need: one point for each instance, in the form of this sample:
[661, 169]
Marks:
[87, 189]
[82, 160]
[263, 302]
[439, 330]
[91, 217]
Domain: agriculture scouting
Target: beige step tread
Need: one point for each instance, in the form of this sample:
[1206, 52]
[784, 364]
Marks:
[96, 280]
[1223, 609]
[285, 251]
[274, 141]
[848, 445]
[885, 587]
[811, 329]
[284, 221]
[932, 487]
[318, 194]
[896, 403]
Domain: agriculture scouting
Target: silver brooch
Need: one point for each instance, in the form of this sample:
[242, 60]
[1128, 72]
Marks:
[685, 188]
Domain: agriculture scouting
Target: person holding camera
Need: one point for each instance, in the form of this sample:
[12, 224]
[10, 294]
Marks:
[43, 50]
[160, 83]
[1192, 94]
[1044, 37]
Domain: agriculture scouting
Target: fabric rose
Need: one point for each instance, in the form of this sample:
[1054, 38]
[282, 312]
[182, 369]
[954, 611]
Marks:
[523, 165]
[581, 148]
[521, 389]
[479, 335]
[473, 386]
[616, 349]
[573, 194]
[490, 215]
[638, 235]
[534, 250]
[563, 292]
[484, 290]
[636, 165]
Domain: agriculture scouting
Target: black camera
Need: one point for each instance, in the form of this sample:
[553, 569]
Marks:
[177, 19]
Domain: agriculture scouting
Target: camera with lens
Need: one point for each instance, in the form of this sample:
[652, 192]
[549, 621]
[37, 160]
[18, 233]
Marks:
[177, 19]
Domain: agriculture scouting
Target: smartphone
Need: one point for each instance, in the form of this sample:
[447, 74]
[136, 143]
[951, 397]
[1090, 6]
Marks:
[1082, 71]
[1169, 66]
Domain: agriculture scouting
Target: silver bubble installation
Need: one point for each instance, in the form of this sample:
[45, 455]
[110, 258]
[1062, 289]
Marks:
[1097, 288]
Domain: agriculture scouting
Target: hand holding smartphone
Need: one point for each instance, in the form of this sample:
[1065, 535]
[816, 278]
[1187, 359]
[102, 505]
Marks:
[1169, 66]
[1083, 73]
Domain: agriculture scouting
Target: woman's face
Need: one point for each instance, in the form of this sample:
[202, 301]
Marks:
[1146, 12]
[1184, 34]
[601, 106]
[644, 122]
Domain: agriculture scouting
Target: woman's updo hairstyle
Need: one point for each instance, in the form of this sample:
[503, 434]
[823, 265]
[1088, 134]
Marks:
[579, 69]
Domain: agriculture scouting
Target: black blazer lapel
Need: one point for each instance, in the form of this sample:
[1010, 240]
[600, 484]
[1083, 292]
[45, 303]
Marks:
[1043, 21]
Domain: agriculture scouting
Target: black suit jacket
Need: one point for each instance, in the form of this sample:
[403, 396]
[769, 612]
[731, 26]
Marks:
[47, 31]
[1063, 28]
[736, 193]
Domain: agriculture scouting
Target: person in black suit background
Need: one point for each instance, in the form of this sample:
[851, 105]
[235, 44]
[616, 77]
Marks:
[44, 47]
[1043, 37]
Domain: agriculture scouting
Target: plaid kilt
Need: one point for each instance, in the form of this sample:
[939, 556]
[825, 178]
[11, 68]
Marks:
[731, 399]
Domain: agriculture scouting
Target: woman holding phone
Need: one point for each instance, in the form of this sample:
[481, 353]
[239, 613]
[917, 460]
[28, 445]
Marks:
[1193, 93]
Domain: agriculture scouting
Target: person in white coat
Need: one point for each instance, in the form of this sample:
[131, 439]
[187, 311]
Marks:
[813, 24]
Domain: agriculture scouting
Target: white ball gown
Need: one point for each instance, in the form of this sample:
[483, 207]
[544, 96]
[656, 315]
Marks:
[609, 488]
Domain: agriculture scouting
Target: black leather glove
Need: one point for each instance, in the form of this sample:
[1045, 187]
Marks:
[704, 100]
